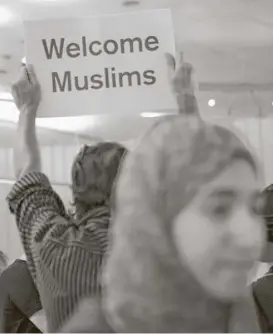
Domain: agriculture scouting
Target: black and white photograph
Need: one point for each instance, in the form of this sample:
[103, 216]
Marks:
[136, 166]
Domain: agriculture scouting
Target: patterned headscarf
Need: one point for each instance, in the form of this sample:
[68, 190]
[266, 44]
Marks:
[93, 173]
[147, 288]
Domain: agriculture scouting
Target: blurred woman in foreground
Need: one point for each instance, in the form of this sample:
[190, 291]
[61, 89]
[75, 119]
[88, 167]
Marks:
[186, 233]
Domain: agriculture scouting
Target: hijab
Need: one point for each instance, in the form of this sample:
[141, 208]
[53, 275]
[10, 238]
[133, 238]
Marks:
[146, 287]
[93, 173]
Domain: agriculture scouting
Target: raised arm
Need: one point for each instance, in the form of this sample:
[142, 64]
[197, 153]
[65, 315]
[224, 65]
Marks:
[64, 256]
[27, 95]
[181, 77]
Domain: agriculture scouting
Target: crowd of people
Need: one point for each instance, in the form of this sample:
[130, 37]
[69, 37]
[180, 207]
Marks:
[162, 238]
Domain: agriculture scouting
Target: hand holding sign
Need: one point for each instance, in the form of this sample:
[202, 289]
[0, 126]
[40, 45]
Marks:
[181, 76]
[26, 91]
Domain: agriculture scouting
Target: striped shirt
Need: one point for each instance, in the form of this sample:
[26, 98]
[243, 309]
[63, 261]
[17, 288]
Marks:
[64, 255]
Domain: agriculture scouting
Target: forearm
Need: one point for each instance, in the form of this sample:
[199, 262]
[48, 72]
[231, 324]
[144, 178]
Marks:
[183, 86]
[187, 104]
[26, 152]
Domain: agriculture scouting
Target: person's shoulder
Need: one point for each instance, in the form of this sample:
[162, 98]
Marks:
[15, 272]
[264, 285]
[7, 278]
[13, 266]
[17, 265]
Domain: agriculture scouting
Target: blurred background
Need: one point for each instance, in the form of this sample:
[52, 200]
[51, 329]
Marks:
[229, 43]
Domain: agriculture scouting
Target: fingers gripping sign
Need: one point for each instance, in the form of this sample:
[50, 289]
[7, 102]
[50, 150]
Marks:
[181, 76]
[26, 90]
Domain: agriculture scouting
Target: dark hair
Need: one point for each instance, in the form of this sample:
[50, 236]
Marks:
[267, 211]
[93, 173]
[268, 208]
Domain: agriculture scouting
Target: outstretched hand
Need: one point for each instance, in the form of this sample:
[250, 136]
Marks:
[26, 91]
[181, 77]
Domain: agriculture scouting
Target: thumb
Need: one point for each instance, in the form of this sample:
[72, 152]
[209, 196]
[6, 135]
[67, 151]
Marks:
[170, 61]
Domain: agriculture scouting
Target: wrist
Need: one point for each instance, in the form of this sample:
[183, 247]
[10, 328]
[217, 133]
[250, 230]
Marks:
[28, 111]
[27, 119]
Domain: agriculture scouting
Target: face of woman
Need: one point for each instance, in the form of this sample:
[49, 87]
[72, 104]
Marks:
[220, 234]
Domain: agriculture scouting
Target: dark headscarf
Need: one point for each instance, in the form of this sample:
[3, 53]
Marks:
[268, 219]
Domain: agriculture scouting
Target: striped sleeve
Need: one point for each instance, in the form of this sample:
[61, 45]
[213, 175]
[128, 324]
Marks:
[64, 256]
[34, 203]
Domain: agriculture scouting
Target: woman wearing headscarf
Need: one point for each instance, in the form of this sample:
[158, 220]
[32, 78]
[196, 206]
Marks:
[64, 254]
[186, 233]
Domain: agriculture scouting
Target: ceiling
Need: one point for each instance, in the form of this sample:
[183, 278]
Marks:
[229, 43]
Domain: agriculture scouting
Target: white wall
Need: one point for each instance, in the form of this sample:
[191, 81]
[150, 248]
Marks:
[56, 162]
[258, 132]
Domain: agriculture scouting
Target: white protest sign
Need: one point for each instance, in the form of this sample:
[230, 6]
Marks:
[102, 65]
